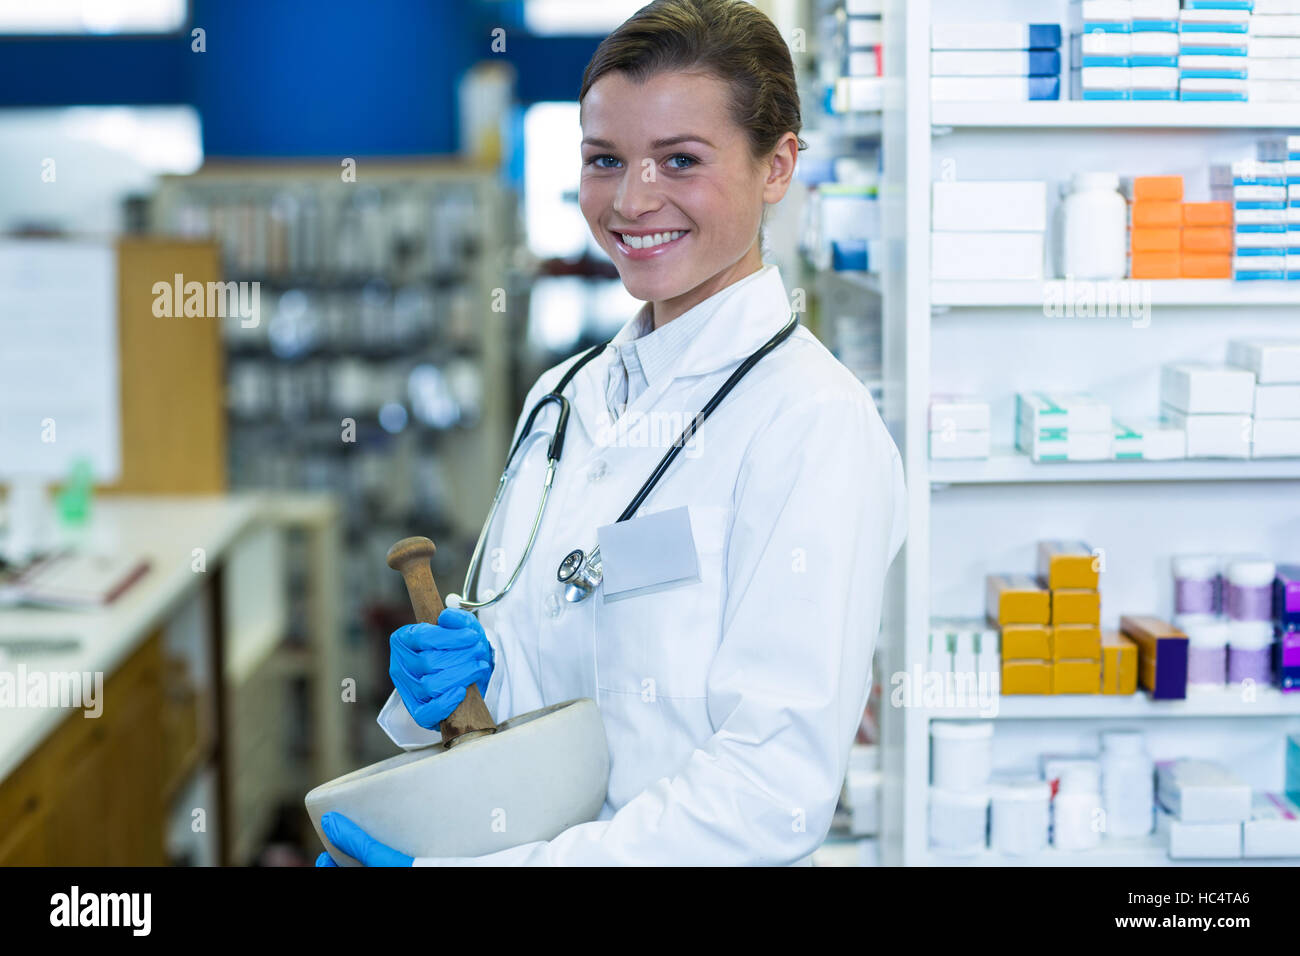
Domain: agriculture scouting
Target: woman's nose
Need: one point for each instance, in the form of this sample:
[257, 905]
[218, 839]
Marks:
[638, 193]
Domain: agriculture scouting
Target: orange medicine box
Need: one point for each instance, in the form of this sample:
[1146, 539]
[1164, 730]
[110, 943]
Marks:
[1027, 642]
[1156, 214]
[1081, 642]
[1076, 606]
[1076, 677]
[1017, 599]
[1119, 664]
[1067, 564]
[1155, 240]
[1155, 265]
[1026, 677]
[1207, 214]
[1207, 239]
[1162, 655]
[1206, 265]
[1156, 187]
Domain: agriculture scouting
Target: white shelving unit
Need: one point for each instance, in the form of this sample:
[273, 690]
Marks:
[967, 519]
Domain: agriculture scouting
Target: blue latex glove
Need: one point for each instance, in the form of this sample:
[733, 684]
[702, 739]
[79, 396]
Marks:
[431, 665]
[358, 844]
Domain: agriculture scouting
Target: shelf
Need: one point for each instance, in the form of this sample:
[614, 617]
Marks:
[1088, 114]
[867, 281]
[1136, 851]
[1269, 702]
[1124, 293]
[1009, 468]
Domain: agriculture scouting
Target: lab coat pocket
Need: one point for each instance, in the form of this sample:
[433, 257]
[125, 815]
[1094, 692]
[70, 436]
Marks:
[662, 644]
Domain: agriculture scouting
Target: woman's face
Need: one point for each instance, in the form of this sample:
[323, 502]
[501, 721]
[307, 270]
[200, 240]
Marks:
[661, 159]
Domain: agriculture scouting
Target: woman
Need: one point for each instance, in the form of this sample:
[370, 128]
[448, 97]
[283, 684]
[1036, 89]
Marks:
[731, 698]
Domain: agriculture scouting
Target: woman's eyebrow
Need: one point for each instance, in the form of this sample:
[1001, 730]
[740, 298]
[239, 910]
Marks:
[657, 144]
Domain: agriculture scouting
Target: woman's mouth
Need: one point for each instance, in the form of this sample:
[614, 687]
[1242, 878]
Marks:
[648, 245]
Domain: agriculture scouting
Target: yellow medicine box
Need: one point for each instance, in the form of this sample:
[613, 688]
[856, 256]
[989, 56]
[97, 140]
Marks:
[1119, 664]
[1076, 606]
[1080, 642]
[1027, 642]
[1067, 564]
[1076, 677]
[1026, 677]
[1017, 599]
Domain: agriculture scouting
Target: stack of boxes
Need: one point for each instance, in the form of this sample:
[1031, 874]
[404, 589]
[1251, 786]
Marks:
[988, 229]
[1124, 49]
[1275, 368]
[959, 427]
[1258, 191]
[1274, 61]
[1052, 427]
[995, 61]
[1206, 240]
[1051, 635]
[1155, 226]
[1212, 403]
[859, 85]
[1286, 152]
[1286, 620]
[1214, 38]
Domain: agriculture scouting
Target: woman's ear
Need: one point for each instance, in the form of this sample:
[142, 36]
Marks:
[781, 168]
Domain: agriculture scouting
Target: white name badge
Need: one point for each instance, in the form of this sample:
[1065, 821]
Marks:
[647, 554]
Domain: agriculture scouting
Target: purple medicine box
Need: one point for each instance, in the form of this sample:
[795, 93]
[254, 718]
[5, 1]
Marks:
[1286, 596]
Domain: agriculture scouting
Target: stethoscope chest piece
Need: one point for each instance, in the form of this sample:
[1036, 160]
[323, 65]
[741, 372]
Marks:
[580, 573]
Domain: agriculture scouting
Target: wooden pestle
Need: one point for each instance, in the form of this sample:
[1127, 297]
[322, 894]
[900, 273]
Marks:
[410, 556]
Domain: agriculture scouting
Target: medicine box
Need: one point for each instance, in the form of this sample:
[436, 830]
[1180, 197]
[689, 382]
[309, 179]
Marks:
[1076, 642]
[1273, 361]
[1067, 564]
[1202, 791]
[1076, 677]
[1017, 599]
[1277, 401]
[1199, 841]
[1119, 664]
[1273, 829]
[1049, 414]
[1071, 446]
[995, 63]
[1293, 766]
[1151, 439]
[990, 206]
[1199, 387]
[1026, 642]
[1213, 436]
[986, 255]
[959, 445]
[1275, 438]
[995, 35]
[1162, 655]
[1075, 606]
[1026, 677]
[960, 413]
[994, 89]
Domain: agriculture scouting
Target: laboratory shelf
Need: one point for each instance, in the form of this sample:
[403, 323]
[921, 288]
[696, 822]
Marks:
[1007, 467]
[1163, 292]
[1268, 702]
[1087, 114]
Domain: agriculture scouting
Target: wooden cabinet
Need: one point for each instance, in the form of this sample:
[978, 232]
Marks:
[92, 793]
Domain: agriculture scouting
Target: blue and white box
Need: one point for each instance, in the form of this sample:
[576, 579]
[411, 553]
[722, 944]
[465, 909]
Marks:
[1258, 191]
[995, 35]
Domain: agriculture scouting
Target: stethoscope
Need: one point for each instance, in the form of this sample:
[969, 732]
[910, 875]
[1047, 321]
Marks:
[580, 572]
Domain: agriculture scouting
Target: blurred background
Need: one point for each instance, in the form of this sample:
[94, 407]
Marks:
[391, 188]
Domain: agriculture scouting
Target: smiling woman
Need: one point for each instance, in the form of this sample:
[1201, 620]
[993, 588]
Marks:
[690, 120]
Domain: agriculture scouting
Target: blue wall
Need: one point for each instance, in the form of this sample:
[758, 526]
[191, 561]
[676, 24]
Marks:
[301, 77]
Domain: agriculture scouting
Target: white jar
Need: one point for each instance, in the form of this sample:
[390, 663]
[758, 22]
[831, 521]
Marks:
[1094, 229]
[1020, 817]
[1075, 812]
[959, 821]
[1128, 783]
[961, 754]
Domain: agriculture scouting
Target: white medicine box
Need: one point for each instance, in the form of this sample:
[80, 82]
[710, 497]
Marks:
[990, 207]
[1202, 388]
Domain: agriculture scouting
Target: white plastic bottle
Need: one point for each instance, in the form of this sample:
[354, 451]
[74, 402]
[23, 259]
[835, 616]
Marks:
[1127, 784]
[1094, 229]
[1076, 811]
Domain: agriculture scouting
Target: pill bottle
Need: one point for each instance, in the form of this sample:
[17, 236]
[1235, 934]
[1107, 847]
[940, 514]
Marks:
[1094, 228]
[959, 821]
[1207, 653]
[1196, 584]
[962, 754]
[1250, 652]
[1250, 590]
[1020, 815]
[1128, 784]
[1076, 811]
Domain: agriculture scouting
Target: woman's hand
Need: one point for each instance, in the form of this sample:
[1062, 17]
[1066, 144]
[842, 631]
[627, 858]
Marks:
[358, 844]
[432, 665]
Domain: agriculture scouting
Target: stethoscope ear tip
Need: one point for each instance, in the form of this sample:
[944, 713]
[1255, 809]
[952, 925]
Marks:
[452, 600]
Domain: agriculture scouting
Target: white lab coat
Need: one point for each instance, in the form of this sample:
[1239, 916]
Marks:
[730, 703]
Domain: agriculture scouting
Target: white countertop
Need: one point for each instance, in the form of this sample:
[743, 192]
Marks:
[164, 529]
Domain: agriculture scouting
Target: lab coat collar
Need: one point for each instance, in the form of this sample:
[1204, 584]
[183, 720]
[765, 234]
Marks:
[740, 318]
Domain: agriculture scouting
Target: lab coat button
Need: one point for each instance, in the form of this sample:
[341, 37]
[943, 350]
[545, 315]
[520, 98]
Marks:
[596, 471]
[552, 605]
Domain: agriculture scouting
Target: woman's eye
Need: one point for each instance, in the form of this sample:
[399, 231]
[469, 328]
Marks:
[597, 161]
[689, 161]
